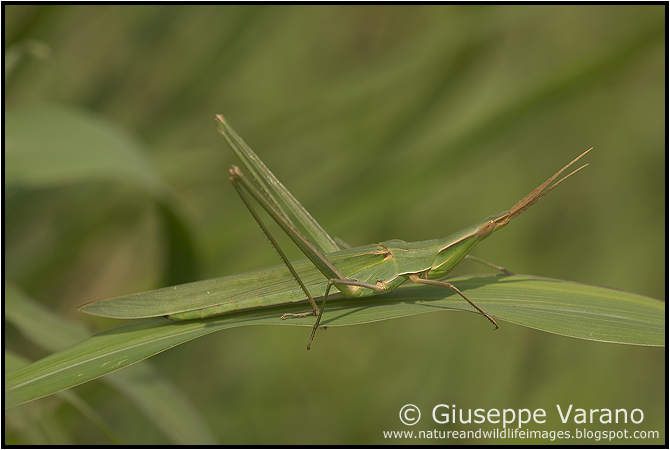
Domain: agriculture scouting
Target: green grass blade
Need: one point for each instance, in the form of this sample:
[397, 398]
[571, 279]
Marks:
[561, 307]
[159, 399]
[14, 362]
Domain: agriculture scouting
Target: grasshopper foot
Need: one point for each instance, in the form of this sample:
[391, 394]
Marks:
[297, 316]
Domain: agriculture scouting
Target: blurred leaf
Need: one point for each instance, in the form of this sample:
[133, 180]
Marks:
[162, 402]
[39, 325]
[14, 362]
[182, 260]
[50, 145]
[569, 309]
[16, 52]
[47, 146]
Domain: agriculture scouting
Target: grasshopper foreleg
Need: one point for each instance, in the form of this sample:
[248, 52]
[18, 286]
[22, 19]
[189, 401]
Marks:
[415, 278]
[491, 265]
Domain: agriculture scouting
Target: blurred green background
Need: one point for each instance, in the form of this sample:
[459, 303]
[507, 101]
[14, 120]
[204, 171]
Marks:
[406, 122]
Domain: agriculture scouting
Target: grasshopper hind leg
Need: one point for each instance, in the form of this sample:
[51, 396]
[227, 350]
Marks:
[331, 282]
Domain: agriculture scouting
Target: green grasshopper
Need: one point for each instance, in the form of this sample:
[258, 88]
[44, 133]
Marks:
[355, 272]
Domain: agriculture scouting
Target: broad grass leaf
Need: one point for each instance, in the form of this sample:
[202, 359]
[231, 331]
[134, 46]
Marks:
[158, 398]
[555, 306]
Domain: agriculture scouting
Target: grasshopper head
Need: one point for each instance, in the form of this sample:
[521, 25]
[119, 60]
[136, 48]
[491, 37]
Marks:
[454, 247]
[492, 223]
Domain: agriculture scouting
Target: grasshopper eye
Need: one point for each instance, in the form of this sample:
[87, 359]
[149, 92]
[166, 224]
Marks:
[486, 229]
